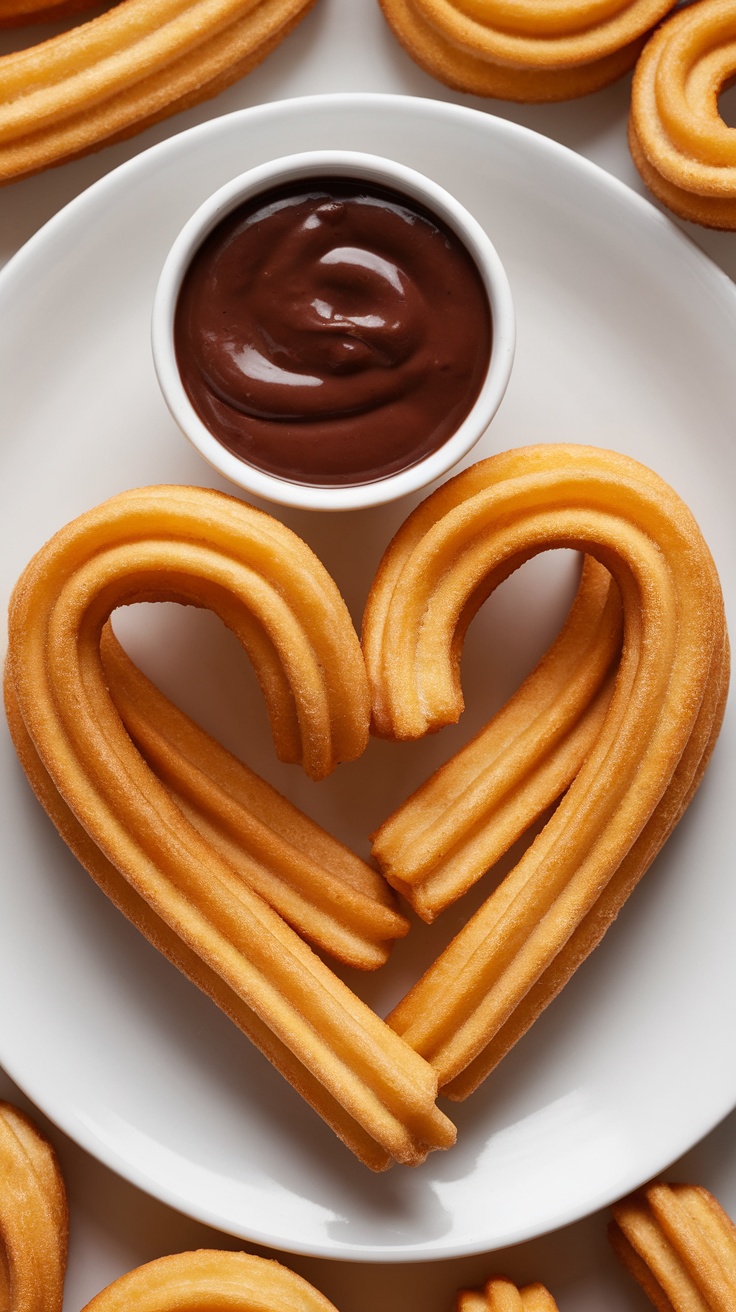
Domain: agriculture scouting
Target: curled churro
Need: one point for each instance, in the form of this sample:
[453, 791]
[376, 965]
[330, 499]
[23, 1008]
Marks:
[682, 147]
[209, 1278]
[518, 50]
[125, 69]
[33, 1218]
[325, 892]
[519, 949]
[472, 810]
[680, 1245]
[159, 861]
[502, 1295]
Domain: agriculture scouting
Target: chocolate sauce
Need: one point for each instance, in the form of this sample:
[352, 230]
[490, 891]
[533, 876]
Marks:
[332, 332]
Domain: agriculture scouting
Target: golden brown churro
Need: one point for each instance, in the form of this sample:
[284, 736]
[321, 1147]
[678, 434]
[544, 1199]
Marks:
[125, 69]
[680, 1245]
[520, 50]
[502, 1295]
[33, 1218]
[519, 949]
[159, 861]
[207, 1279]
[18, 13]
[471, 811]
[682, 147]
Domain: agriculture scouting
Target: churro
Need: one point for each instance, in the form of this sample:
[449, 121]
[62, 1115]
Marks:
[33, 1218]
[17, 13]
[125, 69]
[470, 812]
[165, 871]
[501, 1295]
[209, 1278]
[517, 50]
[682, 147]
[680, 1246]
[522, 945]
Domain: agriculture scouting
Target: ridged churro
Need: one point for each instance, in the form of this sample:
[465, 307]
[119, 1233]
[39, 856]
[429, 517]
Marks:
[519, 949]
[332, 898]
[125, 69]
[207, 1279]
[680, 1245]
[518, 50]
[501, 1295]
[162, 868]
[33, 1218]
[470, 812]
[680, 144]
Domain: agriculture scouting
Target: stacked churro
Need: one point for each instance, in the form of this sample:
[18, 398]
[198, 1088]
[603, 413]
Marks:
[168, 866]
[680, 1245]
[502, 1295]
[33, 1218]
[125, 69]
[648, 754]
[683, 149]
[520, 50]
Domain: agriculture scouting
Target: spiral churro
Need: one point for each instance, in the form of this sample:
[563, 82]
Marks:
[517, 50]
[201, 1280]
[33, 1218]
[519, 949]
[163, 869]
[680, 1245]
[502, 1295]
[683, 149]
[125, 69]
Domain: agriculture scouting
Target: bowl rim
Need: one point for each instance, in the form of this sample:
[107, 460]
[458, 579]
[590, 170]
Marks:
[382, 171]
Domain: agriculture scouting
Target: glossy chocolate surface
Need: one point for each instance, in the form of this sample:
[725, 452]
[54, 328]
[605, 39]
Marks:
[332, 332]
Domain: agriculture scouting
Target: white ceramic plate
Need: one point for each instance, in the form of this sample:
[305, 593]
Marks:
[626, 336]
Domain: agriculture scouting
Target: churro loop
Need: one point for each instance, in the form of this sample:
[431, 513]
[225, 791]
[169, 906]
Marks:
[680, 1245]
[33, 1218]
[653, 744]
[684, 151]
[514, 50]
[159, 860]
[210, 1279]
[127, 68]
[501, 1295]
[471, 811]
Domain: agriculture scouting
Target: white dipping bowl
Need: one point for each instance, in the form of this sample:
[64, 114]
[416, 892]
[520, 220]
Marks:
[378, 171]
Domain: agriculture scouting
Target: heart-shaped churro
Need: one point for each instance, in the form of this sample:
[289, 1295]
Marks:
[175, 852]
[645, 751]
[228, 879]
[124, 69]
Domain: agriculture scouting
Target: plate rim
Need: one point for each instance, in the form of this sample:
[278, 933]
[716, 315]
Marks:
[17, 267]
